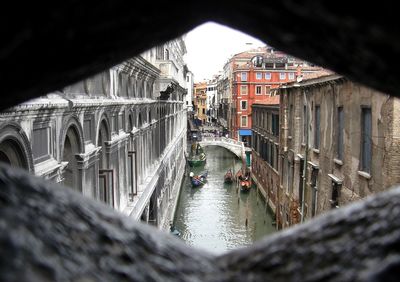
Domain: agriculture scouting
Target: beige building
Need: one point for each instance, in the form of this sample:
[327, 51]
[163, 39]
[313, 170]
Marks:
[335, 140]
[200, 101]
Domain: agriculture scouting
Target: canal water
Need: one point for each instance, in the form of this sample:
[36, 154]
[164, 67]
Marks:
[214, 216]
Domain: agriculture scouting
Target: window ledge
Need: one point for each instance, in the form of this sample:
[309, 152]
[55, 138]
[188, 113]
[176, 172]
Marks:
[364, 174]
[338, 162]
[290, 137]
[303, 144]
[316, 151]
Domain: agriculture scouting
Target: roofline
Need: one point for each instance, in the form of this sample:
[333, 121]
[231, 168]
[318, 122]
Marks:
[311, 81]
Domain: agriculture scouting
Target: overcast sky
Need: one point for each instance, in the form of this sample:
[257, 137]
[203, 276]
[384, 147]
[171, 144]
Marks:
[210, 45]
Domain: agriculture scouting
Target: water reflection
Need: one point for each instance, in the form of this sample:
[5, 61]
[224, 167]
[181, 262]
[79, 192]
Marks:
[218, 217]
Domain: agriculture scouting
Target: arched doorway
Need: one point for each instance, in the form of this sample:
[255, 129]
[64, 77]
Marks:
[71, 149]
[11, 153]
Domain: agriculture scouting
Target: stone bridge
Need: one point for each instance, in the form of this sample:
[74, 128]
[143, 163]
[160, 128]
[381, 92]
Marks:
[236, 147]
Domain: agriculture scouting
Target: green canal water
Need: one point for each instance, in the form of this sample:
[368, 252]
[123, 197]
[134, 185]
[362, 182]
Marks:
[214, 216]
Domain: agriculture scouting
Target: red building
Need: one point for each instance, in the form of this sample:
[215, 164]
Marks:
[256, 75]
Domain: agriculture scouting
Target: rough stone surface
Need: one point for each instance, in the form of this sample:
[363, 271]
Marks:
[45, 47]
[51, 233]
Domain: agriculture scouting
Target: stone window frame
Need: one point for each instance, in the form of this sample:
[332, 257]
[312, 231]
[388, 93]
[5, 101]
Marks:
[268, 75]
[243, 76]
[317, 127]
[49, 124]
[365, 165]
[241, 105]
[241, 120]
[259, 75]
[282, 75]
[89, 117]
[242, 88]
[256, 90]
[340, 133]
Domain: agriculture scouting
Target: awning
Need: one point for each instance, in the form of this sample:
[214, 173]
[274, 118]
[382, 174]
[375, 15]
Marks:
[245, 132]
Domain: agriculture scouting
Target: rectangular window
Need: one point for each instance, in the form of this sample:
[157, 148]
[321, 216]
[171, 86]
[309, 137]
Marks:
[317, 126]
[291, 75]
[121, 121]
[340, 128]
[314, 188]
[258, 90]
[268, 75]
[267, 90]
[132, 174]
[287, 170]
[243, 105]
[366, 141]
[335, 195]
[304, 123]
[159, 53]
[115, 123]
[275, 125]
[204, 111]
[282, 75]
[243, 76]
[243, 89]
[244, 121]
[290, 120]
[41, 143]
[87, 130]
[301, 178]
[106, 186]
[258, 75]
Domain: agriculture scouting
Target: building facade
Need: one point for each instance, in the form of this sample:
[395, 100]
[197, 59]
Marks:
[265, 150]
[256, 75]
[200, 101]
[190, 91]
[335, 140]
[224, 88]
[212, 100]
[117, 137]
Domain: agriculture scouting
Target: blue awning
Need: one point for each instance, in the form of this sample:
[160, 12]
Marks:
[245, 132]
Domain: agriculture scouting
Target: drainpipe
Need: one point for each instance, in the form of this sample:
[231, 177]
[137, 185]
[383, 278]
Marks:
[305, 158]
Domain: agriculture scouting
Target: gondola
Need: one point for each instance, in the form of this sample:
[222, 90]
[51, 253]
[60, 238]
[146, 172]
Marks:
[244, 180]
[228, 177]
[198, 180]
[197, 156]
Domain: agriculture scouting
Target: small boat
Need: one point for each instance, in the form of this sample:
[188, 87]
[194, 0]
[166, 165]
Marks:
[244, 180]
[245, 185]
[228, 177]
[197, 156]
[197, 160]
[198, 180]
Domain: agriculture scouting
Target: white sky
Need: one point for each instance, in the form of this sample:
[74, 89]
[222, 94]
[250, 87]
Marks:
[210, 45]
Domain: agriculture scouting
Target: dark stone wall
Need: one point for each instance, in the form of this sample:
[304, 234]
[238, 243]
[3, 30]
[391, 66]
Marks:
[47, 46]
[48, 233]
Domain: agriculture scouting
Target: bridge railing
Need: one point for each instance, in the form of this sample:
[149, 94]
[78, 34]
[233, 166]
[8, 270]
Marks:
[222, 139]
